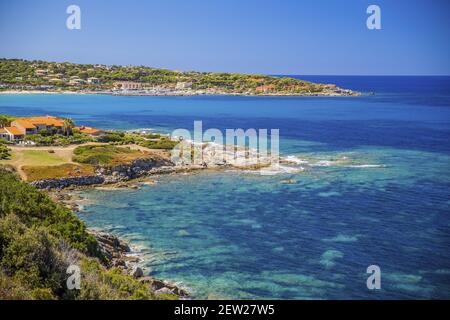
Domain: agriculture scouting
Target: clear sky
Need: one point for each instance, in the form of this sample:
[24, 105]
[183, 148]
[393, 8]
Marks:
[327, 37]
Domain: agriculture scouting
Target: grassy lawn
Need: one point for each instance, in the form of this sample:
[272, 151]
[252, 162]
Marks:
[59, 162]
[33, 158]
[38, 157]
[34, 173]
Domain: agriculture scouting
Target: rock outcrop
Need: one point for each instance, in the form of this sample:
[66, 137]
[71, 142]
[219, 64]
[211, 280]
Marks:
[136, 169]
[68, 182]
[112, 247]
[117, 254]
[111, 174]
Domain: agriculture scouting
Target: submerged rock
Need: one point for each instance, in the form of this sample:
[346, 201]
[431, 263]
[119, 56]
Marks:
[289, 181]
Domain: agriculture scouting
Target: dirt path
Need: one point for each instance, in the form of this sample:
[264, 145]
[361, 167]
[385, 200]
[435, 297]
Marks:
[65, 153]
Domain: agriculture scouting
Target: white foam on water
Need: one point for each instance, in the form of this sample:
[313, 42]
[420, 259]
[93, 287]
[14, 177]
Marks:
[276, 169]
[322, 163]
[295, 159]
[367, 166]
[142, 130]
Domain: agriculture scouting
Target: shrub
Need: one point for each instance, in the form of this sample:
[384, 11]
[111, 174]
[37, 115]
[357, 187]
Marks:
[35, 208]
[111, 137]
[37, 241]
[163, 143]
[4, 152]
[105, 155]
[99, 283]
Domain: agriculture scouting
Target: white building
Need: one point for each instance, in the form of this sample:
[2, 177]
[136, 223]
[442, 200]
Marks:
[93, 80]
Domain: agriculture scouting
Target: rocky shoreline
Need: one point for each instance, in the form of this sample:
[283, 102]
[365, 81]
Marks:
[120, 255]
[116, 175]
[214, 157]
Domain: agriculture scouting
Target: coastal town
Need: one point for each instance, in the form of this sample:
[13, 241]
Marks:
[22, 76]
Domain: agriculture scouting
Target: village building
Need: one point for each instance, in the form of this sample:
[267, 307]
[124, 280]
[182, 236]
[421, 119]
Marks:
[128, 85]
[25, 126]
[93, 80]
[11, 134]
[4, 135]
[35, 125]
[183, 85]
[55, 80]
[76, 81]
[41, 72]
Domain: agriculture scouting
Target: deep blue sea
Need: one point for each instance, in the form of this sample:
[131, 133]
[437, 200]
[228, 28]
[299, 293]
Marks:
[373, 188]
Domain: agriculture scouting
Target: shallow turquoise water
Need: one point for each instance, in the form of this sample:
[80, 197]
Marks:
[375, 189]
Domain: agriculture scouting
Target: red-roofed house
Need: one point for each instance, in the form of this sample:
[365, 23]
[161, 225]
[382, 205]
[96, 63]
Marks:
[25, 126]
[90, 131]
[14, 134]
[21, 127]
[4, 135]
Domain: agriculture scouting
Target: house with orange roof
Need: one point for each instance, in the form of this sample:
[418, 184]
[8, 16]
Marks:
[49, 123]
[21, 127]
[90, 131]
[14, 134]
[4, 135]
[25, 126]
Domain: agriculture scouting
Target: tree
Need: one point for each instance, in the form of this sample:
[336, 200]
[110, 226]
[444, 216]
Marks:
[68, 126]
[5, 121]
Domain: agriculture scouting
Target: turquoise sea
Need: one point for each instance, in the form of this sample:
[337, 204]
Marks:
[373, 188]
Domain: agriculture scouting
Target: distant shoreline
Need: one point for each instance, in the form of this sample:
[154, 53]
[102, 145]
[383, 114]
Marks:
[5, 92]
[174, 94]
[23, 77]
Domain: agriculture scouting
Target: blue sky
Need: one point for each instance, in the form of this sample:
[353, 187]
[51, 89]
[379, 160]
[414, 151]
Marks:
[252, 36]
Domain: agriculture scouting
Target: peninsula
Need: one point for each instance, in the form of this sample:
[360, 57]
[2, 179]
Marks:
[53, 153]
[22, 76]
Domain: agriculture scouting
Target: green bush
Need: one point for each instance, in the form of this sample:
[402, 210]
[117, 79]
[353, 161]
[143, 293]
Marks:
[4, 152]
[37, 209]
[111, 137]
[163, 143]
[104, 154]
[37, 241]
[152, 136]
[58, 140]
[6, 120]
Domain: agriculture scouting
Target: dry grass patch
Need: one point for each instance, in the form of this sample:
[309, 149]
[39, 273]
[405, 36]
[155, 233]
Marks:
[34, 173]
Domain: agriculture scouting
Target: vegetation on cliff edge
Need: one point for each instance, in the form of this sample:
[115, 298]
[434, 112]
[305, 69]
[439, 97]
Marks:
[39, 239]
